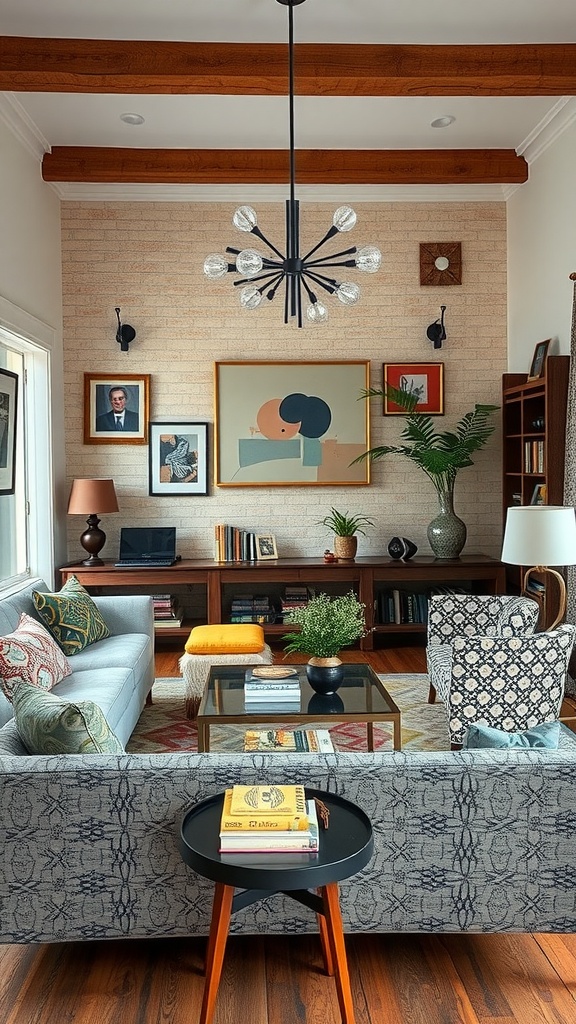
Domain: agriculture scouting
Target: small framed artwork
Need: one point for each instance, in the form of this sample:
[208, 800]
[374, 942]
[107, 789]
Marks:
[178, 458]
[425, 379]
[539, 495]
[116, 409]
[291, 423]
[8, 412]
[538, 363]
[265, 547]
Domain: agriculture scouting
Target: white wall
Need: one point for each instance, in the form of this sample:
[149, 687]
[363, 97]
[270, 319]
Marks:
[31, 279]
[542, 254]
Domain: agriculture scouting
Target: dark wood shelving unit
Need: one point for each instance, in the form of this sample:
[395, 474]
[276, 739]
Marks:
[533, 444]
[477, 573]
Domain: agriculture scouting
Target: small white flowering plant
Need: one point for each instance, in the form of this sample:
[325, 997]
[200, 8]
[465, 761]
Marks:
[327, 624]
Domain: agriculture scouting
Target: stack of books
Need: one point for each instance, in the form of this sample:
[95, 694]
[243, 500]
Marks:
[310, 741]
[252, 608]
[167, 611]
[271, 687]
[295, 596]
[268, 819]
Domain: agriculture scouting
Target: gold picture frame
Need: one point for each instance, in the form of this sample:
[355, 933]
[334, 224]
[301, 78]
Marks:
[103, 405]
[291, 423]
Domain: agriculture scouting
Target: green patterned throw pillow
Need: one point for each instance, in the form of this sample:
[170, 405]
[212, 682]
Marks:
[71, 616]
[47, 724]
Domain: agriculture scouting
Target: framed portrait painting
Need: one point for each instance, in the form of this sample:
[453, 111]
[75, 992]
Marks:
[427, 379]
[291, 423]
[116, 408]
[178, 458]
[8, 420]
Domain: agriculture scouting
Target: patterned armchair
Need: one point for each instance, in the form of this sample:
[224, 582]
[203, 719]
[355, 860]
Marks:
[510, 683]
[466, 615]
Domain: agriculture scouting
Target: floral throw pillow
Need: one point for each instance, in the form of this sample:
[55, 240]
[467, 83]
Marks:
[71, 616]
[30, 655]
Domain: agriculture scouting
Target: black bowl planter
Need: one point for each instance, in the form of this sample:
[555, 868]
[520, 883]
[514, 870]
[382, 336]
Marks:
[325, 678]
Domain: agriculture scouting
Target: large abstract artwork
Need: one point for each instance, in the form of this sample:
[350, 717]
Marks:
[281, 423]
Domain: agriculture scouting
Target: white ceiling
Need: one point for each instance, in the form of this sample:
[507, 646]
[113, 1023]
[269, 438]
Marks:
[261, 121]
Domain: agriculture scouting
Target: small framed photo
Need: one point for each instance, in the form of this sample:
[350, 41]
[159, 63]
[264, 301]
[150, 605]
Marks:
[538, 363]
[539, 495]
[265, 547]
[8, 412]
[178, 458]
[116, 409]
[425, 379]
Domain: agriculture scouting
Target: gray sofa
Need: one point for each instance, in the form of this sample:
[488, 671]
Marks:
[464, 841]
[116, 673]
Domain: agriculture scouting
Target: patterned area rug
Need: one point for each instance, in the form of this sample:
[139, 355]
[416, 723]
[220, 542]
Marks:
[163, 725]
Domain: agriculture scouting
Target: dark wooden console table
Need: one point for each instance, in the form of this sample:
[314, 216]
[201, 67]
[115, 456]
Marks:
[366, 576]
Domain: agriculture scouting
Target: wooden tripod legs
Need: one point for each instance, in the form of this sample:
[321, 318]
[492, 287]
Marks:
[331, 936]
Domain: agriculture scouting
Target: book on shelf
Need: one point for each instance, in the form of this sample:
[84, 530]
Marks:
[262, 820]
[270, 799]
[264, 840]
[290, 741]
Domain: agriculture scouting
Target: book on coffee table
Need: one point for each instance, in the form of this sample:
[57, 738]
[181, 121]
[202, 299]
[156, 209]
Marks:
[290, 741]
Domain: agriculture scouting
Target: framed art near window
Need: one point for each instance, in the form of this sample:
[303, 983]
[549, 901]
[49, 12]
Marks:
[178, 458]
[116, 409]
[265, 547]
[538, 363]
[291, 423]
[425, 378]
[8, 410]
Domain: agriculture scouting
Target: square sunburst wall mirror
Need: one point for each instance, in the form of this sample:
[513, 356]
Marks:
[440, 263]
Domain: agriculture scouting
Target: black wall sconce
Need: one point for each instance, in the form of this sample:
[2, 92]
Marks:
[125, 333]
[436, 332]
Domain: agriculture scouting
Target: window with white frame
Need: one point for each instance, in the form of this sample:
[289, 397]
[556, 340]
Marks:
[25, 461]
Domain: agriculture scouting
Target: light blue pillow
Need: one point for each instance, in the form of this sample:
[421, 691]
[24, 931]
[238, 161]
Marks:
[484, 736]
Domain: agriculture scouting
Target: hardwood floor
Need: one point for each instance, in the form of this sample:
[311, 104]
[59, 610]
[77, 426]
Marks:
[396, 979]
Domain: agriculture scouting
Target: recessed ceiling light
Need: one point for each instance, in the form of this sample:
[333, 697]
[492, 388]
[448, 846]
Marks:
[132, 118]
[442, 122]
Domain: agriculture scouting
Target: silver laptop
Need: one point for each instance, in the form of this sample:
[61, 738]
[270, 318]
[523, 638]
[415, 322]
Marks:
[151, 546]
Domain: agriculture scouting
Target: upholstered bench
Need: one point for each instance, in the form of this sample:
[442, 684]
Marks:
[227, 644]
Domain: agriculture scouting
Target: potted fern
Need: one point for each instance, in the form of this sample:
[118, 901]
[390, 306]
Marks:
[345, 527]
[441, 455]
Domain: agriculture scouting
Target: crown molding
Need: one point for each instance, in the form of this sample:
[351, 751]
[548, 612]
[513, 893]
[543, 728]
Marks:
[13, 115]
[238, 194]
[549, 129]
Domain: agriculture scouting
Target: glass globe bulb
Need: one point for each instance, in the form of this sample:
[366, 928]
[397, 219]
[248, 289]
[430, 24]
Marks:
[368, 259]
[344, 218]
[348, 293]
[215, 265]
[317, 313]
[245, 218]
[250, 297]
[249, 263]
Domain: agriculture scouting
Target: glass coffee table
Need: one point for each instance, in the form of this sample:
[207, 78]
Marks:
[362, 697]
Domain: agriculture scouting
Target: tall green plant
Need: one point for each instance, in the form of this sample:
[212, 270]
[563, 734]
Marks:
[440, 454]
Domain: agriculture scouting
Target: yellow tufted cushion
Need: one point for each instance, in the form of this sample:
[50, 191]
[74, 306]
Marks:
[244, 638]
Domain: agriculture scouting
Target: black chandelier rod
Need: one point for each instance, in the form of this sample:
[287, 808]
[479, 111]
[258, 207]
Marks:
[291, 99]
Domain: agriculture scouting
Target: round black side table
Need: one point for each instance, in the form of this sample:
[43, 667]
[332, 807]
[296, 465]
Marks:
[346, 846]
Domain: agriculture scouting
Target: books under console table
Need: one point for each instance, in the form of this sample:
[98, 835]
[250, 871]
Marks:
[209, 587]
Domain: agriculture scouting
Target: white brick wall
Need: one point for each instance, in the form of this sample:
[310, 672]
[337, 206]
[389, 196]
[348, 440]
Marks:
[147, 258]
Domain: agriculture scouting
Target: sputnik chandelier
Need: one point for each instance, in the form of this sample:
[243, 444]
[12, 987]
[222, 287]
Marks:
[262, 275]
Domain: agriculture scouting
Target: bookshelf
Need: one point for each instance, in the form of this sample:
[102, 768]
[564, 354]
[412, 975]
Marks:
[533, 444]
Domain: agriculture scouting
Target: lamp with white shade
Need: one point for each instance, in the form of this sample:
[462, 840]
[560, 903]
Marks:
[541, 536]
[89, 497]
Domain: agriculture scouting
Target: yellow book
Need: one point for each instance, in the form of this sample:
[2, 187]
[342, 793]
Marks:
[260, 822]
[271, 800]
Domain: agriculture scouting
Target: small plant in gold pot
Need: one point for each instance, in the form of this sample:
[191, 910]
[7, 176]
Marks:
[345, 527]
[327, 624]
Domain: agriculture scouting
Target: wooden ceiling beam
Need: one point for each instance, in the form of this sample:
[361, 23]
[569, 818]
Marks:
[270, 166]
[30, 64]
